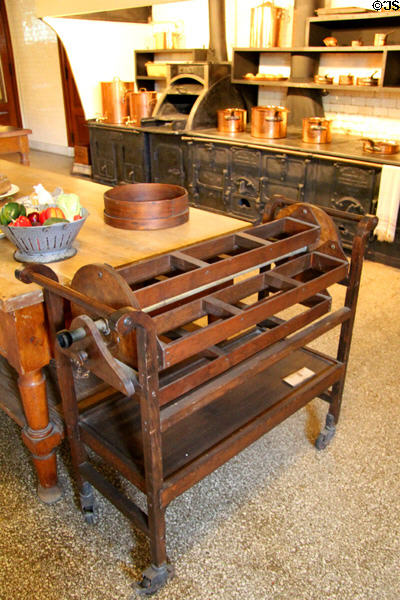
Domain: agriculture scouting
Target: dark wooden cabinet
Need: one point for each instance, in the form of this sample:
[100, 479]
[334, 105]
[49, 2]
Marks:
[119, 155]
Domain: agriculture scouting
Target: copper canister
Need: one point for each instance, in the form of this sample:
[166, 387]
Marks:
[317, 130]
[269, 121]
[232, 120]
[141, 104]
[115, 102]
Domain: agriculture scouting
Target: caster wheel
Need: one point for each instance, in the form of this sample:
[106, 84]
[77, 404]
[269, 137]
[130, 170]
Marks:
[326, 434]
[90, 517]
[153, 579]
[88, 503]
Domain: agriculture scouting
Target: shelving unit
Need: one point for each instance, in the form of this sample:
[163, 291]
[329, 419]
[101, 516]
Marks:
[141, 57]
[345, 28]
[247, 60]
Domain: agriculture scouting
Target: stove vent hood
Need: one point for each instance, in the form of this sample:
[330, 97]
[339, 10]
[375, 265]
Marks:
[77, 8]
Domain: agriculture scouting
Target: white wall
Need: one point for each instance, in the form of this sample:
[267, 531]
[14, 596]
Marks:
[38, 77]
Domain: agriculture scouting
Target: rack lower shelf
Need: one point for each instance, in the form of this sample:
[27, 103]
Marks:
[234, 420]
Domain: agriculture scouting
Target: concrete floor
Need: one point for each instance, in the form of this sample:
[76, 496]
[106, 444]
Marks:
[45, 160]
[281, 521]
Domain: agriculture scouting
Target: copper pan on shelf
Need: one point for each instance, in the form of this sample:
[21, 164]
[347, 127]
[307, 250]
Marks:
[346, 79]
[323, 79]
[368, 81]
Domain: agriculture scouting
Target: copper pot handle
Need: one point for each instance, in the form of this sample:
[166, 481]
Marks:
[370, 144]
[231, 117]
[276, 119]
[318, 127]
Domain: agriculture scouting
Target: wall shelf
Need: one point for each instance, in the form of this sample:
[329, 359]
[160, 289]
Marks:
[247, 60]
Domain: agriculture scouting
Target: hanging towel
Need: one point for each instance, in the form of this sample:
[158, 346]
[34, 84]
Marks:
[388, 203]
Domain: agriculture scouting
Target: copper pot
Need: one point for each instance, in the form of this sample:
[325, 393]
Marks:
[232, 120]
[380, 146]
[346, 79]
[115, 104]
[317, 130]
[141, 104]
[268, 121]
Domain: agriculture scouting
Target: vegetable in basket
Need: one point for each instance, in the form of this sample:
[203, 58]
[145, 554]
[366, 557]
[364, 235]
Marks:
[70, 205]
[10, 212]
[21, 221]
[51, 213]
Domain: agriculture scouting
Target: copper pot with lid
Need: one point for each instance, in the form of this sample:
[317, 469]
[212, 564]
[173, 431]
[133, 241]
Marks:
[141, 105]
[232, 120]
[114, 101]
[380, 146]
[317, 130]
[269, 121]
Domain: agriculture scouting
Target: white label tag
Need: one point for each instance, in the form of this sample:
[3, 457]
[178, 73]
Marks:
[298, 376]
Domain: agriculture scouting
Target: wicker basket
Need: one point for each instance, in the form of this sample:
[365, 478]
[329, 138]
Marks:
[45, 244]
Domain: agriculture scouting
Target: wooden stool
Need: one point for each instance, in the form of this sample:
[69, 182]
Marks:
[13, 139]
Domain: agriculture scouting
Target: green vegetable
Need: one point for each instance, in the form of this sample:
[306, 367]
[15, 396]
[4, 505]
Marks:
[70, 205]
[54, 220]
[11, 211]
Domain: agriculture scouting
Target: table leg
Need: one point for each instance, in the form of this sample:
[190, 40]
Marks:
[40, 435]
[24, 150]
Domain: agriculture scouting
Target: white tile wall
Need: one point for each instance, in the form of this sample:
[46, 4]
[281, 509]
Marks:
[372, 114]
[38, 76]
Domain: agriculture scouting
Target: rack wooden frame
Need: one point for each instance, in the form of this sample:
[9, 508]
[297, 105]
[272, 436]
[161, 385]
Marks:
[186, 396]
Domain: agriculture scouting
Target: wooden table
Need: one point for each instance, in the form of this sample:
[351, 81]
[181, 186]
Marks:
[13, 139]
[23, 336]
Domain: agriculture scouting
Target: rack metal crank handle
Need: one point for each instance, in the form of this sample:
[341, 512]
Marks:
[66, 337]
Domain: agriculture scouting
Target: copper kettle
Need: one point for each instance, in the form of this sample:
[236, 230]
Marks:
[115, 105]
[141, 105]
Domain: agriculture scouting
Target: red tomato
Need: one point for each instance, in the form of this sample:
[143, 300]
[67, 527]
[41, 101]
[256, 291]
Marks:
[48, 213]
[77, 217]
[22, 221]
